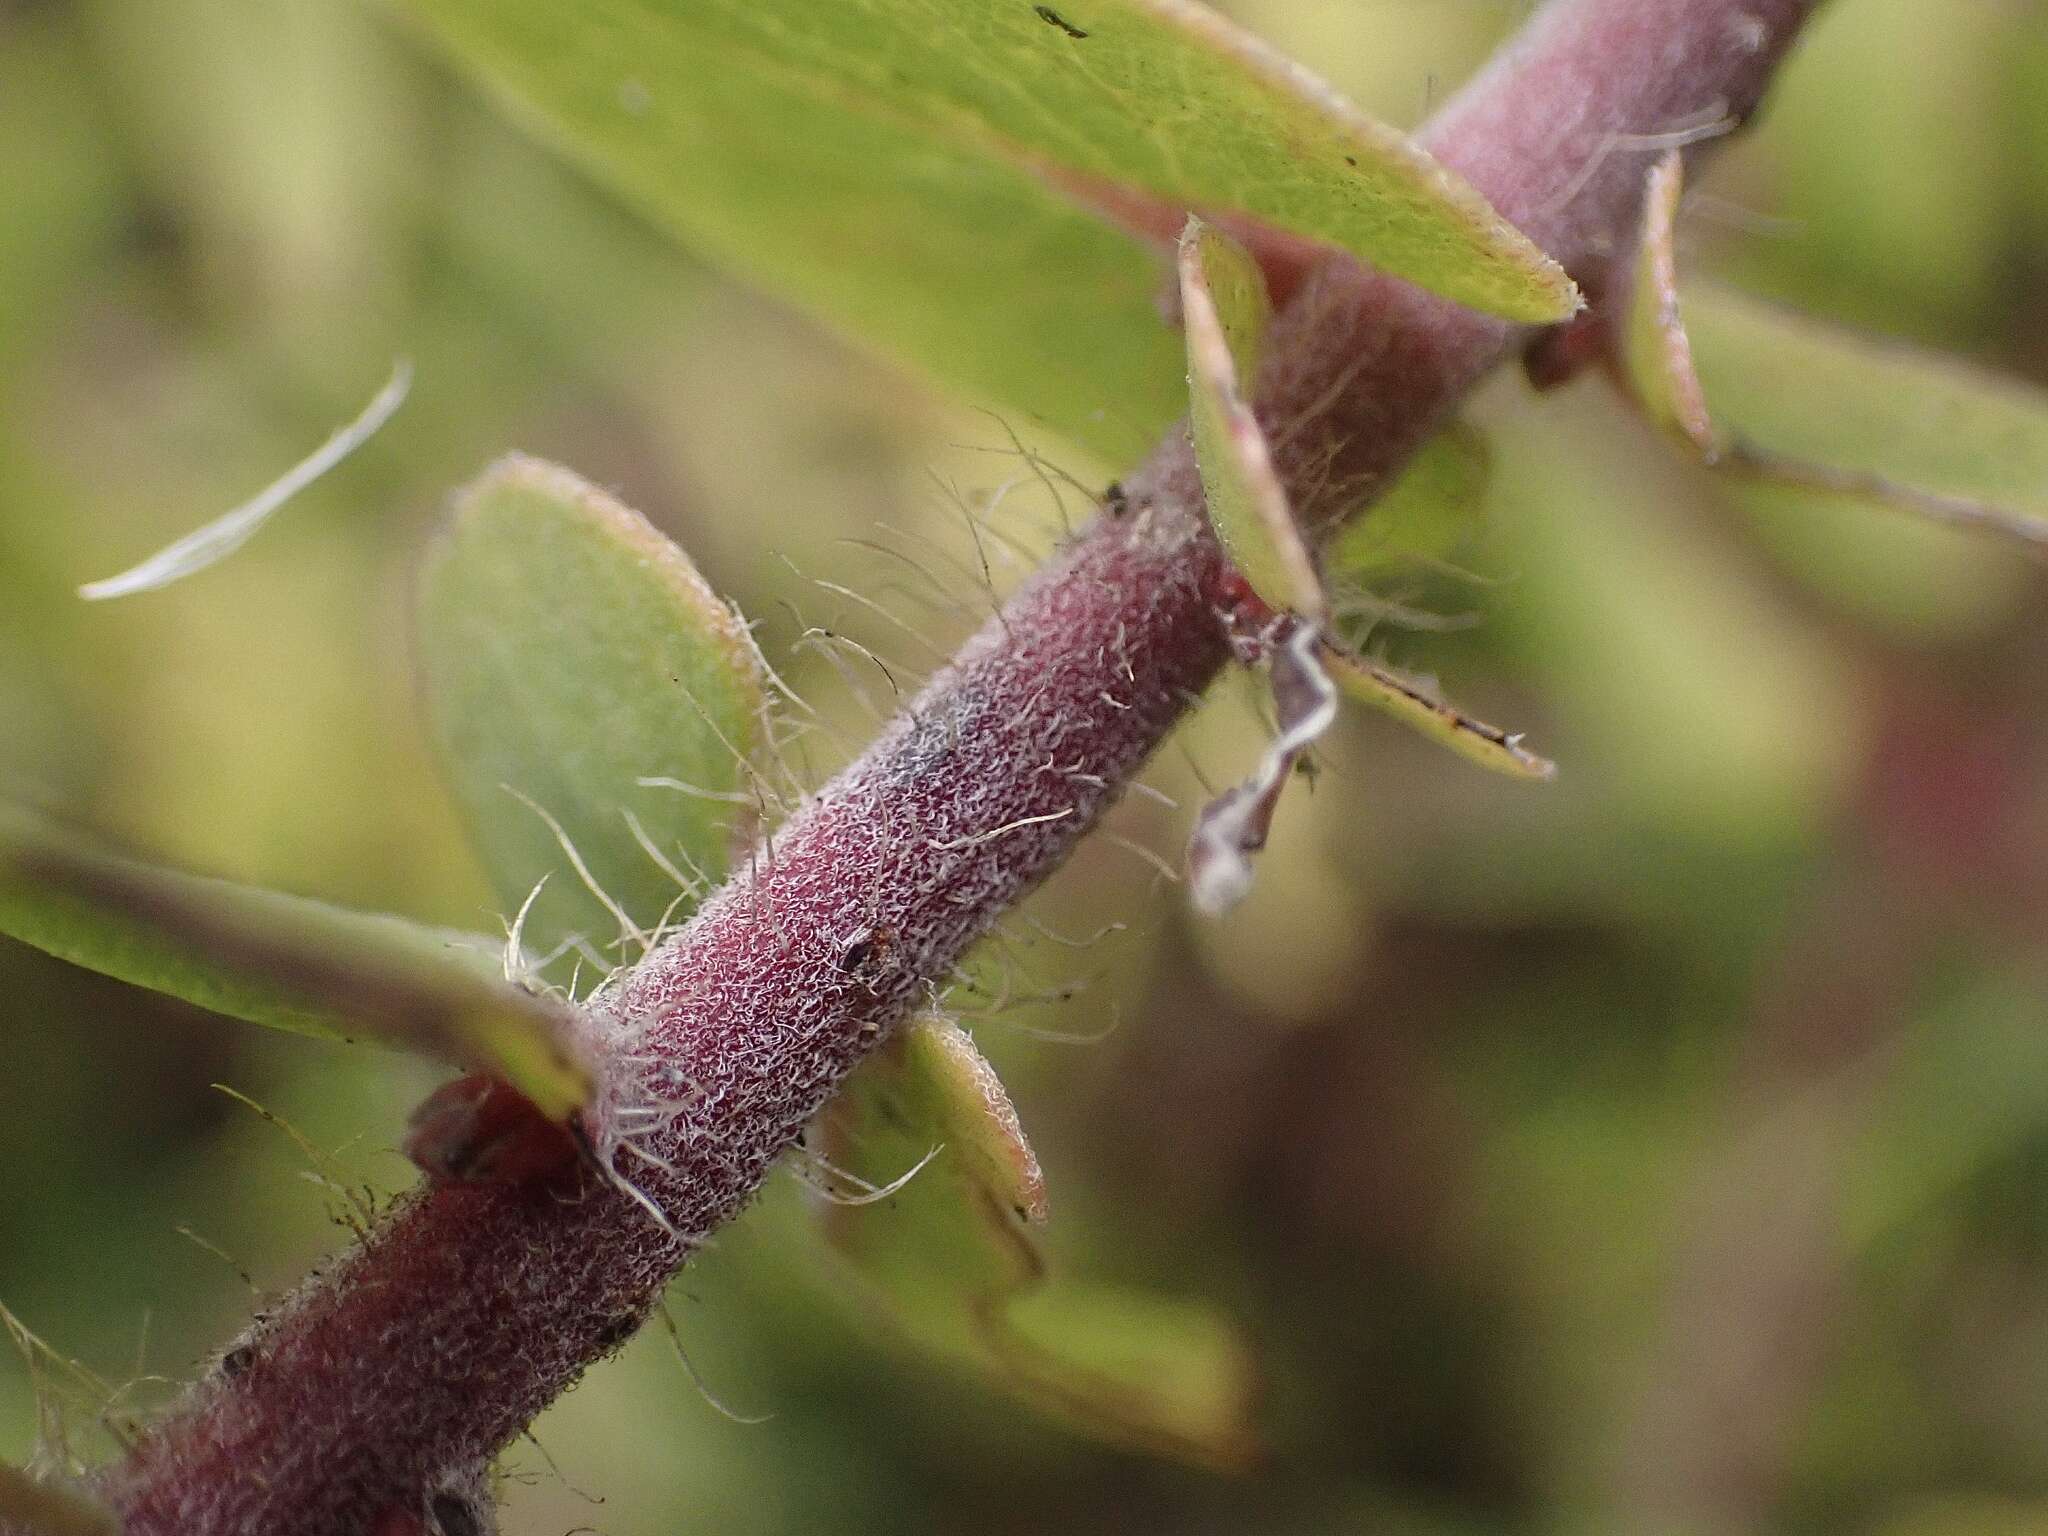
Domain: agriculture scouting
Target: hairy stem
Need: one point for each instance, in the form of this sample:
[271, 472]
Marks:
[374, 1396]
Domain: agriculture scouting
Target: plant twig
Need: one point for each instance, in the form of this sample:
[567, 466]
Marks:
[390, 1380]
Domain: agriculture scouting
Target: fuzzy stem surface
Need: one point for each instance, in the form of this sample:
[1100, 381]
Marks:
[378, 1391]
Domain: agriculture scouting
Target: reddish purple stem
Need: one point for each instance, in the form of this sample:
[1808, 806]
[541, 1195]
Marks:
[388, 1381]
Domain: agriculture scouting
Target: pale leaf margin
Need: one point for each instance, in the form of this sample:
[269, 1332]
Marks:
[1415, 704]
[1162, 100]
[1224, 313]
[1662, 376]
[951, 1257]
[546, 605]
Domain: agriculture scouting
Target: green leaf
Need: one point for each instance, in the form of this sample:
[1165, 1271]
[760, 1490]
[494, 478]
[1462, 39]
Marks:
[1417, 706]
[1853, 417]
[1224, 311]
[590, 693]
[31, 1506]
[1693, 695]
[284, 961]
[959, 1227]
[891, 165]
[1656, 353]
[1174, 1376]
[951, 1254]
[1424, 518]
[1776, 398]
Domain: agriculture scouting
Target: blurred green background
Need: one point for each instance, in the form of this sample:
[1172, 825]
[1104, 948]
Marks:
[1660, 1150]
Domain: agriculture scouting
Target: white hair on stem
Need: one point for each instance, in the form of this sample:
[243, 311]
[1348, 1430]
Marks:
[628, 929]
[675, 1339]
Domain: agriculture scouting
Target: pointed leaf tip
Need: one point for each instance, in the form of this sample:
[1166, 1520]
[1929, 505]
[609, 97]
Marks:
[1419, 708]
[981, 1123]
[1656, 352]
[930, 1087]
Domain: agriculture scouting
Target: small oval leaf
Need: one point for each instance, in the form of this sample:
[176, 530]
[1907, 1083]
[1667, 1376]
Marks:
[951, 1255]
[980, 1121]
[596, 704]
[1084, 1346]
[1224, 311]
[964, 1215]
[286, 961]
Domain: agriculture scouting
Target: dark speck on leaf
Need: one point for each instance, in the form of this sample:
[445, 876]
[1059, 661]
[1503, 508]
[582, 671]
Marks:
[237, 1360]
[1351, 160]
[1053, 18]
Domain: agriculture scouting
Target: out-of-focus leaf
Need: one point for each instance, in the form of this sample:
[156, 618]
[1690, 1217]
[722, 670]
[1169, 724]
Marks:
[1425, 516]
[61, 175]
[1961, 1094]
[1224, 310]
[1086, 1346]
[252, 123]
[32, 1507]
[1048, 311]
[1851, 140]
[951, 1254]
[1842, 415]
[1653, 652]
[581, 675]
[1771, 396]
[1415, 705]
[285, 961]
[776, 139]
